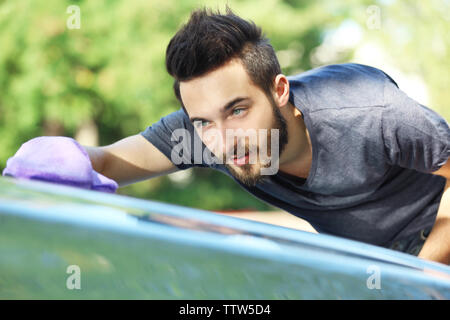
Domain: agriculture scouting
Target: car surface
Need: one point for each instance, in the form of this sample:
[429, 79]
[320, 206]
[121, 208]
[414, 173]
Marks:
[60, 242]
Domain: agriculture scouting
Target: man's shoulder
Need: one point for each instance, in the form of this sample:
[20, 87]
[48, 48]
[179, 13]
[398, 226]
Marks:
[176, 119]
[343, 105]
[339, 86]
[341, 71]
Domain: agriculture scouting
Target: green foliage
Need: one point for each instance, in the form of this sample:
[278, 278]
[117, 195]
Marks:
[54, 79]
[416, 34]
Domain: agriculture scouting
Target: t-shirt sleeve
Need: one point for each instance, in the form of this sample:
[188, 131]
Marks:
[415, 136]
[175, 137]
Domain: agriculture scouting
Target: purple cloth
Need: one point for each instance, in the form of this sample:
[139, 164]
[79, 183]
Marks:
[57, 159]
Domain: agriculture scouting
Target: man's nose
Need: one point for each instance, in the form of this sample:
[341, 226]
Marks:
[234, 141]
[225, 140]
[215, 140]
[227, 147]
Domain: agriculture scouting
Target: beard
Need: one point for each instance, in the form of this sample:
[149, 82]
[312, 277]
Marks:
[250, 174]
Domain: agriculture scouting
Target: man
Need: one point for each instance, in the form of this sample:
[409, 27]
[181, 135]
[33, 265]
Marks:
[355, 156]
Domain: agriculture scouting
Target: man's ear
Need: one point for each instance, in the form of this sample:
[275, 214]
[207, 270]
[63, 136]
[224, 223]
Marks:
[281, 90]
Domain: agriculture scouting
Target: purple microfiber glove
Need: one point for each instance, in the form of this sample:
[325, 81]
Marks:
[57, 159]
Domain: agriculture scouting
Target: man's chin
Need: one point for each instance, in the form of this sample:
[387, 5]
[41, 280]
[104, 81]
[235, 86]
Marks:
[248, 174]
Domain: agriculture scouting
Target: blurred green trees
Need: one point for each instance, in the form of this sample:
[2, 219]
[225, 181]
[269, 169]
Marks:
[110, 74]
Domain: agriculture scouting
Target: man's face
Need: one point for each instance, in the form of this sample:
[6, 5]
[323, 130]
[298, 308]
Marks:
[226, 102]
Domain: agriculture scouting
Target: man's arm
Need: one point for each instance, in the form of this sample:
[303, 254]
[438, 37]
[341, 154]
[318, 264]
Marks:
[418, 138]
[130, 160]
[437, 245]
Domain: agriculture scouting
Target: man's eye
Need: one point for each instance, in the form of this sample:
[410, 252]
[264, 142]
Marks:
[199, 124]
[237, 111]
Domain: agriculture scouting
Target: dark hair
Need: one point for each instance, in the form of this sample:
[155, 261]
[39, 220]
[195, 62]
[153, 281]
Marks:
[209, 40]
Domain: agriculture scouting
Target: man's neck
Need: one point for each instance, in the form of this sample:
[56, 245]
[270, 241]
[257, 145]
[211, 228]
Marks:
[296, 158]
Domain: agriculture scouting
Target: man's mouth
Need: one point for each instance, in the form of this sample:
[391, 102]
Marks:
[240, 161]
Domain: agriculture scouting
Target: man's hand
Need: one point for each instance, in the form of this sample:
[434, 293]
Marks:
[59, 160]
[437, 245]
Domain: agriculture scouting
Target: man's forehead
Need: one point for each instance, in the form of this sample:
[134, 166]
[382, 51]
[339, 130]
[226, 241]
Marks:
[216, 88]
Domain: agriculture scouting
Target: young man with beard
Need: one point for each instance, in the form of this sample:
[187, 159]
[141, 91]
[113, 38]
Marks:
[355, 156]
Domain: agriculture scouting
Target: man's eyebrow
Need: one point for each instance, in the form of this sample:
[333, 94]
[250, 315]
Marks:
[231, 104]
[224, 109]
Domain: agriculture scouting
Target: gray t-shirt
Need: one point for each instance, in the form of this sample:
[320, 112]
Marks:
[373, 151]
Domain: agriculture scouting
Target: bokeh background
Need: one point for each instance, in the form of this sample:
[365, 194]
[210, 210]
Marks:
[106, 80]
